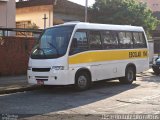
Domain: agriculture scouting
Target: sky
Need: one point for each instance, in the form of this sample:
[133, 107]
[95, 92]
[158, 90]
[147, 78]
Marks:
[82, 2]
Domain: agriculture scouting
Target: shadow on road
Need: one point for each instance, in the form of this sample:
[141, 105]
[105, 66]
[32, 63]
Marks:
[54, 99]
[149, 77]
[154, 78]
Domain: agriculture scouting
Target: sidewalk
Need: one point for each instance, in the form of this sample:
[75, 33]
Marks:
[15, 84]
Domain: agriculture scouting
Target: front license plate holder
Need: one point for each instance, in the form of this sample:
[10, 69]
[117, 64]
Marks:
[40, 82]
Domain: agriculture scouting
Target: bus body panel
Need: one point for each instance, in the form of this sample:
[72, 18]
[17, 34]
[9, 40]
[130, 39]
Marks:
[110, 66]
[111, 69]
[63, 77]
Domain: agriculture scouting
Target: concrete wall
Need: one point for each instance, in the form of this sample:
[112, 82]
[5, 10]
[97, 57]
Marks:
[7, 14]
[14, 53]
[151, 50]
[35, 15]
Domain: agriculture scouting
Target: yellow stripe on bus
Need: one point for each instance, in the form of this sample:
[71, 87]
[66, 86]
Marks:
[108, 55]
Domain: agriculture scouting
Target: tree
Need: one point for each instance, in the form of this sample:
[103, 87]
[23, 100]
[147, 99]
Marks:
[33, 26]
[127, 12]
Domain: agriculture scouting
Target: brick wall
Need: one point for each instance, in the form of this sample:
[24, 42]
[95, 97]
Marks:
[14, 55]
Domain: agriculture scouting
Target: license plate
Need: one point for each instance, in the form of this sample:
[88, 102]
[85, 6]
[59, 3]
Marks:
[40, 82]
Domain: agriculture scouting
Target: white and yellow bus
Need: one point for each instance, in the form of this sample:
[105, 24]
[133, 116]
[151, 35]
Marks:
[80, 53]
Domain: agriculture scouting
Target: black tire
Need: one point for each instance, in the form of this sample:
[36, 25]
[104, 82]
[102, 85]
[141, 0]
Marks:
[130, 76]
[156, 72]
[82, 81]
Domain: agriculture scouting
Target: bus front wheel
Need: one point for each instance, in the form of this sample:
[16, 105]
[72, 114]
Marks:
[130, 76]
[82, 81]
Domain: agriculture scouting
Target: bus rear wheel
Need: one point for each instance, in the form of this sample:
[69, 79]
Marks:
[82, 81]
[130, 76]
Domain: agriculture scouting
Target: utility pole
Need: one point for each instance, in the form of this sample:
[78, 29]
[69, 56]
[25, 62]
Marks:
[45, 18]
[6, 14]
[54, 4]
[86, 11]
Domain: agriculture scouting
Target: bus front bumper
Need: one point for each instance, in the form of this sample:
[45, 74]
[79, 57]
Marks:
[61, 77]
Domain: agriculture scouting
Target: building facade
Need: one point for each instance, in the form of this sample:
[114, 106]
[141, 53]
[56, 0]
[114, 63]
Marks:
[7, 13]
[46, 13]
[153, 5]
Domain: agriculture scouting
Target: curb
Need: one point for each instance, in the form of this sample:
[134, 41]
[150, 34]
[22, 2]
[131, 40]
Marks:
[19, 89]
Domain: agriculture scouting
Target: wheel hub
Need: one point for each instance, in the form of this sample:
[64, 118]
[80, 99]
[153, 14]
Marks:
[130, 75]
[82, 81]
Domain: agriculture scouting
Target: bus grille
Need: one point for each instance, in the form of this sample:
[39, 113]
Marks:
[41, 69]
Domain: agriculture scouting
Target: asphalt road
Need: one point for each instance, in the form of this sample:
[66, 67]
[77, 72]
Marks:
[142, 97]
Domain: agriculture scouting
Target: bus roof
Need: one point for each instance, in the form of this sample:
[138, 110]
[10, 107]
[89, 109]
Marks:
[95, 26]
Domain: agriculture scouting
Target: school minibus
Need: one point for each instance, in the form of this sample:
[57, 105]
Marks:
[78, 53]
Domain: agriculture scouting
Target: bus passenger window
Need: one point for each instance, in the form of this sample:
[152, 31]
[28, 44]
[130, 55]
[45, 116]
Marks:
[110, 40]
[125, 39]
[139, 40]
[81, 43]
[95, 41]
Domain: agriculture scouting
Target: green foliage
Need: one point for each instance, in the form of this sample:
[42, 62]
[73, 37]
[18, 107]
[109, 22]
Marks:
[33, 26]
[127, 12]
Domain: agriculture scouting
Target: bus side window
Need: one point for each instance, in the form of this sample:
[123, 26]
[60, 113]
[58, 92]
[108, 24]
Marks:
[95, 40]
[81, 42]
[139, 40]
[125, 40]
[110, 40]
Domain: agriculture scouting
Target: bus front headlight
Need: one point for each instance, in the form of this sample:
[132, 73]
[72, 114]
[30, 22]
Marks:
[57, 68]
[29, 68]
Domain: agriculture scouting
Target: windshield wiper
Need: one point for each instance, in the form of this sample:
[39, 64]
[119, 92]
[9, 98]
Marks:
[54, 48]
[40, 49]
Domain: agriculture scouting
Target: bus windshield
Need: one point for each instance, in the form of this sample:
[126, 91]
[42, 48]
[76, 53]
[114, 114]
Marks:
[53, 43]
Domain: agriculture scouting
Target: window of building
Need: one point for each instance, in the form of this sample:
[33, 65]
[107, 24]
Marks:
[155, 5]
[95, 40]
[23, 24]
